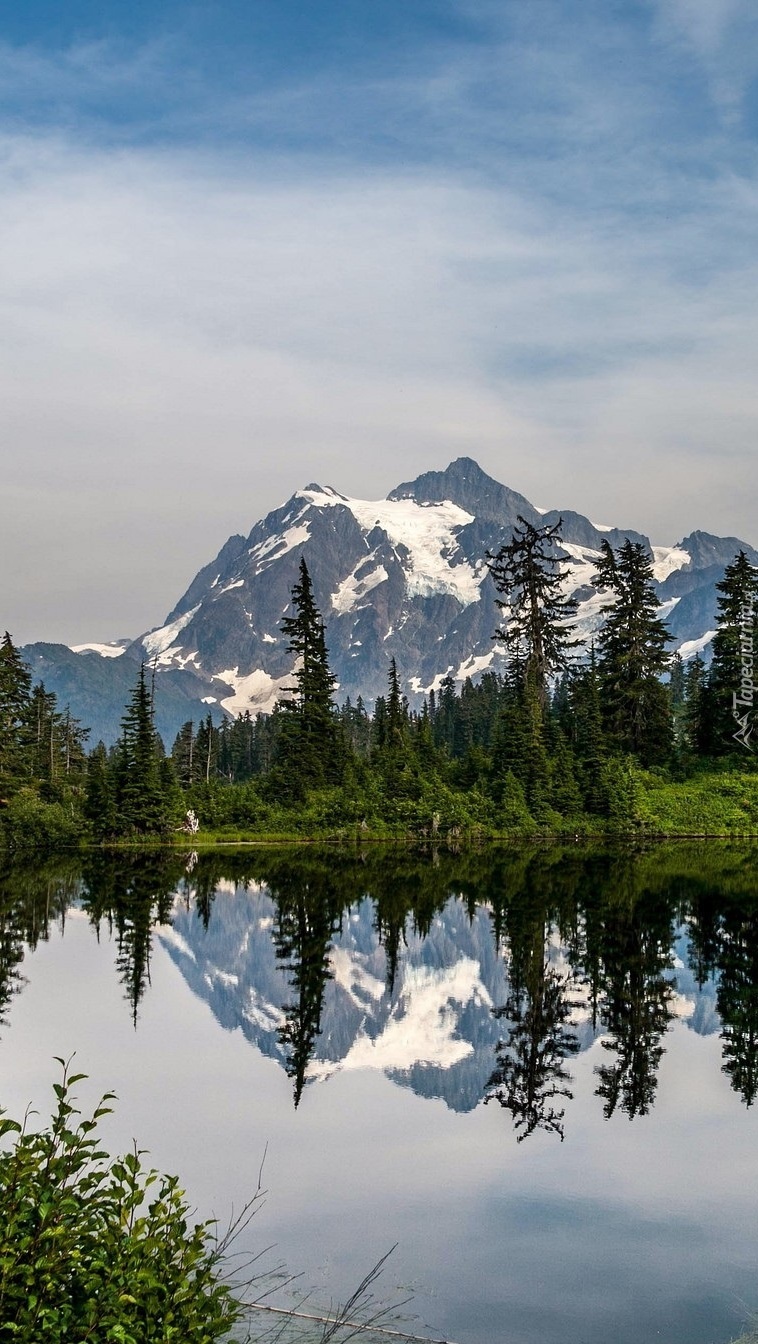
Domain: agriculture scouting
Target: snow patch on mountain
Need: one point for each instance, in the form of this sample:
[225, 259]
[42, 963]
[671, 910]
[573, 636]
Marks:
[581, 567]
[355, 587]
[691, 647]
[667, 560]
[273, 548]
[158, 643]
[111, 650]
[474, 665]
[257, 692]
[426, 532]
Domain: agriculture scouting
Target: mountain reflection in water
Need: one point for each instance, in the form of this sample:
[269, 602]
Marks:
[468, 977]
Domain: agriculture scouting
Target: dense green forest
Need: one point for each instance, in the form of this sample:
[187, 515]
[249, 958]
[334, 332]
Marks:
[621, 737]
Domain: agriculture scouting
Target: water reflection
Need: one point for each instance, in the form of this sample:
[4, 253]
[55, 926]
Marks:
[468, 977]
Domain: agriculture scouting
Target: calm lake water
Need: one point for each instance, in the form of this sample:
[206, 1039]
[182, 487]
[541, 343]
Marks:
[533, 1069]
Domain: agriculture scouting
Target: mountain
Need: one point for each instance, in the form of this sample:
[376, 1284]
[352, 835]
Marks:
[404, 577]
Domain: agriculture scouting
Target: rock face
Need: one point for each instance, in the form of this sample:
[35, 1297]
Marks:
[405, 577]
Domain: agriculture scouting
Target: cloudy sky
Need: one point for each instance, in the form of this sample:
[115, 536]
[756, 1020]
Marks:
[249, 244]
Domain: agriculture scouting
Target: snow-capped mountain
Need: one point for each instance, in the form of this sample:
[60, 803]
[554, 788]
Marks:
[404, 577]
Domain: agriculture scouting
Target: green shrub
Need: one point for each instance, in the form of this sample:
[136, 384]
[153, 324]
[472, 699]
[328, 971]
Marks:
[29, 823]
[101, 1250]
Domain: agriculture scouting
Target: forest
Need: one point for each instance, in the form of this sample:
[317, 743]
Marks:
[620, 737]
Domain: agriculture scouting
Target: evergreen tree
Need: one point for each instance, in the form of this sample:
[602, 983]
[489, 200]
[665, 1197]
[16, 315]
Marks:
[699, 708]
[310, 750]
[140, 788]
[632, 656]
[100, 796]
[205, 751]
[519, 749]
[585, 719]
[397, 713]
[527, 573]
[15, 694]
[727, 699]
[183, 755]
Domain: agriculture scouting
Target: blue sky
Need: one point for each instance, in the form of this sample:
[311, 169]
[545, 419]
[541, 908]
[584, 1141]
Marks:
[249, 245]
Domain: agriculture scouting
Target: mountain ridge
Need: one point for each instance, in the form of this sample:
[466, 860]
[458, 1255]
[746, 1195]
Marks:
[403, 577]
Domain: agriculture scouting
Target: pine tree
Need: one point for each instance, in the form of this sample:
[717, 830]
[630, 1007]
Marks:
[587, 735]
[100, 796]
[397, 713]
[140, 801]
[632, 656]
[15, 695]
[183, 754]
[727, 706]
[310, 750]
[205, 751]
[519, 747]
[697, 715]
[527, 573]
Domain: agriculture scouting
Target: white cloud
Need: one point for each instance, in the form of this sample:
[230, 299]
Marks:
[189, 335]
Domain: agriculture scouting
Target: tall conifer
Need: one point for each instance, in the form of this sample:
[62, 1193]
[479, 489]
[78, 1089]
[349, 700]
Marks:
[310, 746]
[632, 656]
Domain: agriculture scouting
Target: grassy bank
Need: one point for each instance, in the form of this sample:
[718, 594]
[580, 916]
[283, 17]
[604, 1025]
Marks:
[710, 803]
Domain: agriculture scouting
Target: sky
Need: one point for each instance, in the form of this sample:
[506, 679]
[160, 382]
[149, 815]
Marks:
[251, 244]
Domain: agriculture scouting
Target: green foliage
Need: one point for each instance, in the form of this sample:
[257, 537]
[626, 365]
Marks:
[712, 803]
[29, 823]
[96, 1249]
[146, 799]
[513, 754]
[15, 689]
[528, 576]
[716, 716]
[310, 750]
[632, 656]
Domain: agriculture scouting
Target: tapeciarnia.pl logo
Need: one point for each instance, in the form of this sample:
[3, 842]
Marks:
[742, 701]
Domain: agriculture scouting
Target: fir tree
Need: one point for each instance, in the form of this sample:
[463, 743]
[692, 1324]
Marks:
[528, 575]
[15, 694]
[727, 701]
[100, 796]
[205, 751]
[140, 789]
[632, 656]
[585, 718]
[183, 754]
[397, 713]
[310, 750]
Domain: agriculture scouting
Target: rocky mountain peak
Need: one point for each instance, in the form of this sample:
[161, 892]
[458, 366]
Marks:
[464, 483]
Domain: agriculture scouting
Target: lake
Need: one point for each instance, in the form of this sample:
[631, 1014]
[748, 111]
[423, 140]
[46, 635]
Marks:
[532, 1068]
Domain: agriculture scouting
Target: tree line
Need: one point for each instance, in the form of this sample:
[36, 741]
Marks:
[555, 737]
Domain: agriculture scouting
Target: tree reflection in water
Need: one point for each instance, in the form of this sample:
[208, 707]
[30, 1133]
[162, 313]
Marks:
[584, 942]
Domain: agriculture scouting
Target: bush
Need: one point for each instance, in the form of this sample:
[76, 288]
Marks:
[29, 823]
[95, 1249]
